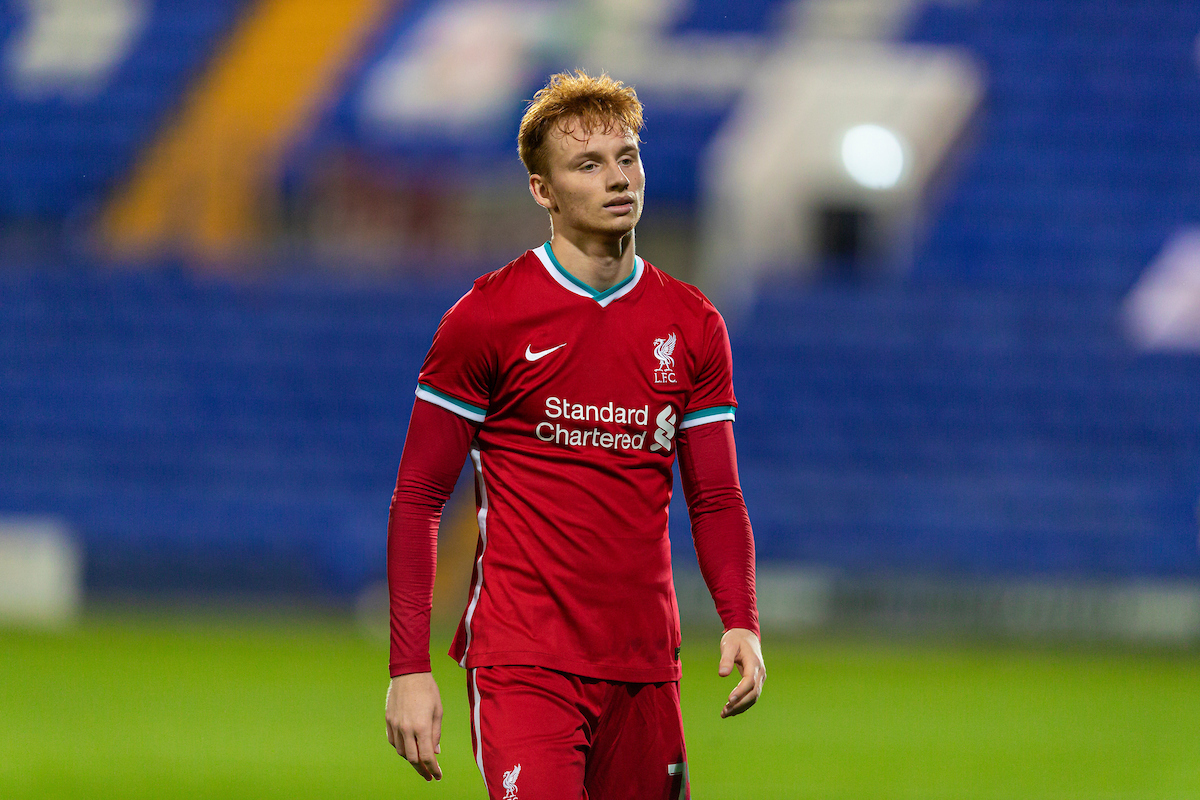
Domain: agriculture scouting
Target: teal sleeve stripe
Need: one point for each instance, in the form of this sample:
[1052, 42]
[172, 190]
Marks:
[714, 414]
[453, 404]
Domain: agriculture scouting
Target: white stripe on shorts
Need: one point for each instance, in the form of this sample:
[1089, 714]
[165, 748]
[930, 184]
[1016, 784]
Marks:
[478, 732]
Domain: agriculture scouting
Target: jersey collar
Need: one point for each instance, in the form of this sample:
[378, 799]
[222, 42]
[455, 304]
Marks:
[576, 286]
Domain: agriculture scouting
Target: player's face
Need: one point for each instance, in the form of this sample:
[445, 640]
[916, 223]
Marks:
[595, 184]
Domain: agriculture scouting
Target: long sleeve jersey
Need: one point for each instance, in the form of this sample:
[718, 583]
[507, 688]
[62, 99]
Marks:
[571, 405]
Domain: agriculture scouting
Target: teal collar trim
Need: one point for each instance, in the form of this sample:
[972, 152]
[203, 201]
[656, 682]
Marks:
[595, 295]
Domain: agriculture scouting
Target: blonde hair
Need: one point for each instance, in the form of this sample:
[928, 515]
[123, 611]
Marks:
[598, 104]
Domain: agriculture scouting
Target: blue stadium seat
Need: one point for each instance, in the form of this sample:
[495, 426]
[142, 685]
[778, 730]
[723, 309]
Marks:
[1087, 115]
[61, 153]
[200, 433]
[949, 428]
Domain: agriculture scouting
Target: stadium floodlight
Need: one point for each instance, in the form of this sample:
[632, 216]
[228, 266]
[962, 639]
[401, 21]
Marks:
[873, 156]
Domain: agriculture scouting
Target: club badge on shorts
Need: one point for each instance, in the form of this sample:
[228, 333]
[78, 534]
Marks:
[510, 783]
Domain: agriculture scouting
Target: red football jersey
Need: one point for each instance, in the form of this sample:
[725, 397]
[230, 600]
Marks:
[578, 396]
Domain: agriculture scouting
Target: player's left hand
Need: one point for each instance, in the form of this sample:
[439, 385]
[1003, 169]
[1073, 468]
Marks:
[741, 647]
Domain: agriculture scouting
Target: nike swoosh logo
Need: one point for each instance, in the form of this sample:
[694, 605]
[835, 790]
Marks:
[532, 356]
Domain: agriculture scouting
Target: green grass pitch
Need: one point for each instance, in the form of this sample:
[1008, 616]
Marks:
[175, 706]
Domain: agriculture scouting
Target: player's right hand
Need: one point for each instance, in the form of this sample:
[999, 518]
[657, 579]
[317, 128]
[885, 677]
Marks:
[413, 713]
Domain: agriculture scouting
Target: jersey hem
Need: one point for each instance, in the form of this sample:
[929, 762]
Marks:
[604, 672]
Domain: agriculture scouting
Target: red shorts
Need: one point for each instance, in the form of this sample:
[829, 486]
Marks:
[539, 734]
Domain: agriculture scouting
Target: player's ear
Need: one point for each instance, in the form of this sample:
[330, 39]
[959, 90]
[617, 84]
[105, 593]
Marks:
[542, 193]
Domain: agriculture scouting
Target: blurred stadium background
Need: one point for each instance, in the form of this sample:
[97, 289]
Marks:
[958, 246]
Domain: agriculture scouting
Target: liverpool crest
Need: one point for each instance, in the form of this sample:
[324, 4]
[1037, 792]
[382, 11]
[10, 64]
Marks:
[663, 351]
[510, 783]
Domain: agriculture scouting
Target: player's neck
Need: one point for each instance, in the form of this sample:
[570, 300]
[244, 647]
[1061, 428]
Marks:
[600, 263]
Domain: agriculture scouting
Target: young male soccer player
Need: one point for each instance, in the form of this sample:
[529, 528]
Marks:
[572, 377]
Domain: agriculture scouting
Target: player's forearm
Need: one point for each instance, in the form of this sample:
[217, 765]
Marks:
[725, 550]
[412, 555]
[720, 524]
[434, 451]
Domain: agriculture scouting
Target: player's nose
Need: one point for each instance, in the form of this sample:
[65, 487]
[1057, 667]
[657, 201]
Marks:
[618, 181]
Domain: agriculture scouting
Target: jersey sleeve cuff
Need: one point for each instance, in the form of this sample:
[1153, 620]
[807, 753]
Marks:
[714, 414]
[408, 667]
[451, 404]
[750, 624]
